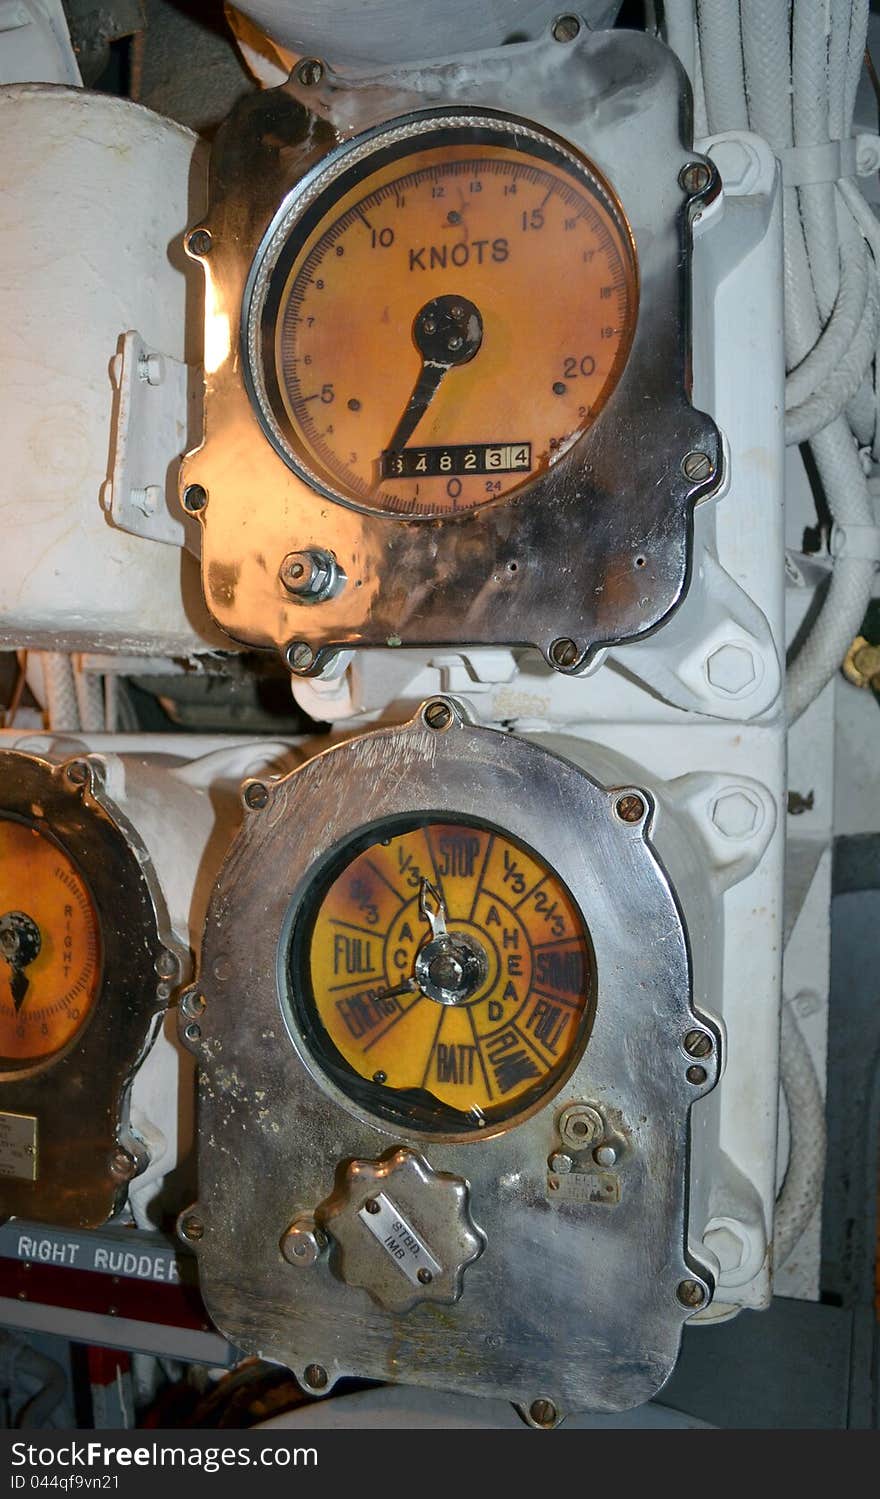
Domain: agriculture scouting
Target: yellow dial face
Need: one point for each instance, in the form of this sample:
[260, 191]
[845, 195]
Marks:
[447, 974]
[447, 326]
[50, 946]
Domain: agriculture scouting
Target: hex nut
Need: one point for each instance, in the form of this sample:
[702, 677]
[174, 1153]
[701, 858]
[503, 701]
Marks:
[737, 813]
[727, 1247]
[731, 669]
[738, 166]
[580, 1125]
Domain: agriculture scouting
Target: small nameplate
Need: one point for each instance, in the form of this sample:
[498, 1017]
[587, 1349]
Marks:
[399, 1240]
[585, 1186]
[18, 1146]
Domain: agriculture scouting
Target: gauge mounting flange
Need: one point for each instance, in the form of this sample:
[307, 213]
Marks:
[86, 963]
[447, 354]
[577, 1290]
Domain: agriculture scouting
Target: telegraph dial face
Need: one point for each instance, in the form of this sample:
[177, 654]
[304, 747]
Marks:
[50, 947]
[409, 358]
[442, 975]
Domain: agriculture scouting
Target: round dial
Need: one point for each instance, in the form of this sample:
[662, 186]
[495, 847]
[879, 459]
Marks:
[444, 976]
[50, 946]
[445, 319]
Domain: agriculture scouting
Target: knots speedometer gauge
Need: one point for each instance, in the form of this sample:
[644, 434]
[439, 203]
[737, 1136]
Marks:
[395, 321]
[447, 355]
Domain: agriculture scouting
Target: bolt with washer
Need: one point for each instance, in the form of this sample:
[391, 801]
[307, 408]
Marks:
[310, 576]
[303, 1243]
[580, 1125]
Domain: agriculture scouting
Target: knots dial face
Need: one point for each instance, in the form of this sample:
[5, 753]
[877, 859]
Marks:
[412, 361]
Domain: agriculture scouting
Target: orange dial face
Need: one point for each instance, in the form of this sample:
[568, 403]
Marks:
[448, 320]
[50, 946]
[448, 969]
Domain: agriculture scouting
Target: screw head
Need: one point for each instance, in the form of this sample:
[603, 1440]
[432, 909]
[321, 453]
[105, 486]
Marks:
[166, 964]
[192, 1228]
[561, 1163]
[77, 772]
[372, 1206]
[437, 715]
[698, 1044]
[690, 1293]
[543, 1413]
[316, 1376]
[566, 28]
[605, 1155]
[122, 1165]
[630, 808]
[199, 242]
[192, 1031]
[424, 1276]
[300, 656]
[193, 1003]
[695, 177]
[564, 653]
[697, 467]
[301, 1246]
[195, 498]
[256, 796]
[310, 72]
[697, 1076]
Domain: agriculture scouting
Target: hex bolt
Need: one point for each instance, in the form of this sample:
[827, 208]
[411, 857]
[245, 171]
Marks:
[698, 1044]
[630, 808]
[438, 715]
[300, 656]
[690, 1293]
[697, 467]
[695, 177]
[122, 1164]
[561, 1163]
[566, 28]
[192, 1228]
[256, 796]
[316, 1377]
[731, 669]
[564, 653]
[200, 242]
[77, 772]
[580, 1125]
[543, 1413]
[310, 72]
[697, 1076]
[301, 1246]
[195, 498]
[311, 576]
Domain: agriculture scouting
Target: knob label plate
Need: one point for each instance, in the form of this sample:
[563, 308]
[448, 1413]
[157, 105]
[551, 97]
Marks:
[399, 1240]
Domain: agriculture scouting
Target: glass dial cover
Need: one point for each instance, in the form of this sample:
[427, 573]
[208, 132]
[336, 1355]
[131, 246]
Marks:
[50, 946]
[445, 319]
[442, 975]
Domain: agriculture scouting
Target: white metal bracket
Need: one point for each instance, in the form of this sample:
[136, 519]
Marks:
[152, 429]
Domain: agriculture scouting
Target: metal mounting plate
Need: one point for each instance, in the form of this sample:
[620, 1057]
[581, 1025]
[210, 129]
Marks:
[601, 543]
[80, 1098]
[575, 1295]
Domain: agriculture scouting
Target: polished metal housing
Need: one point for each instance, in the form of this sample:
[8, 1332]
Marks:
[597, 550]
[578, 1294]
[79, 1097]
